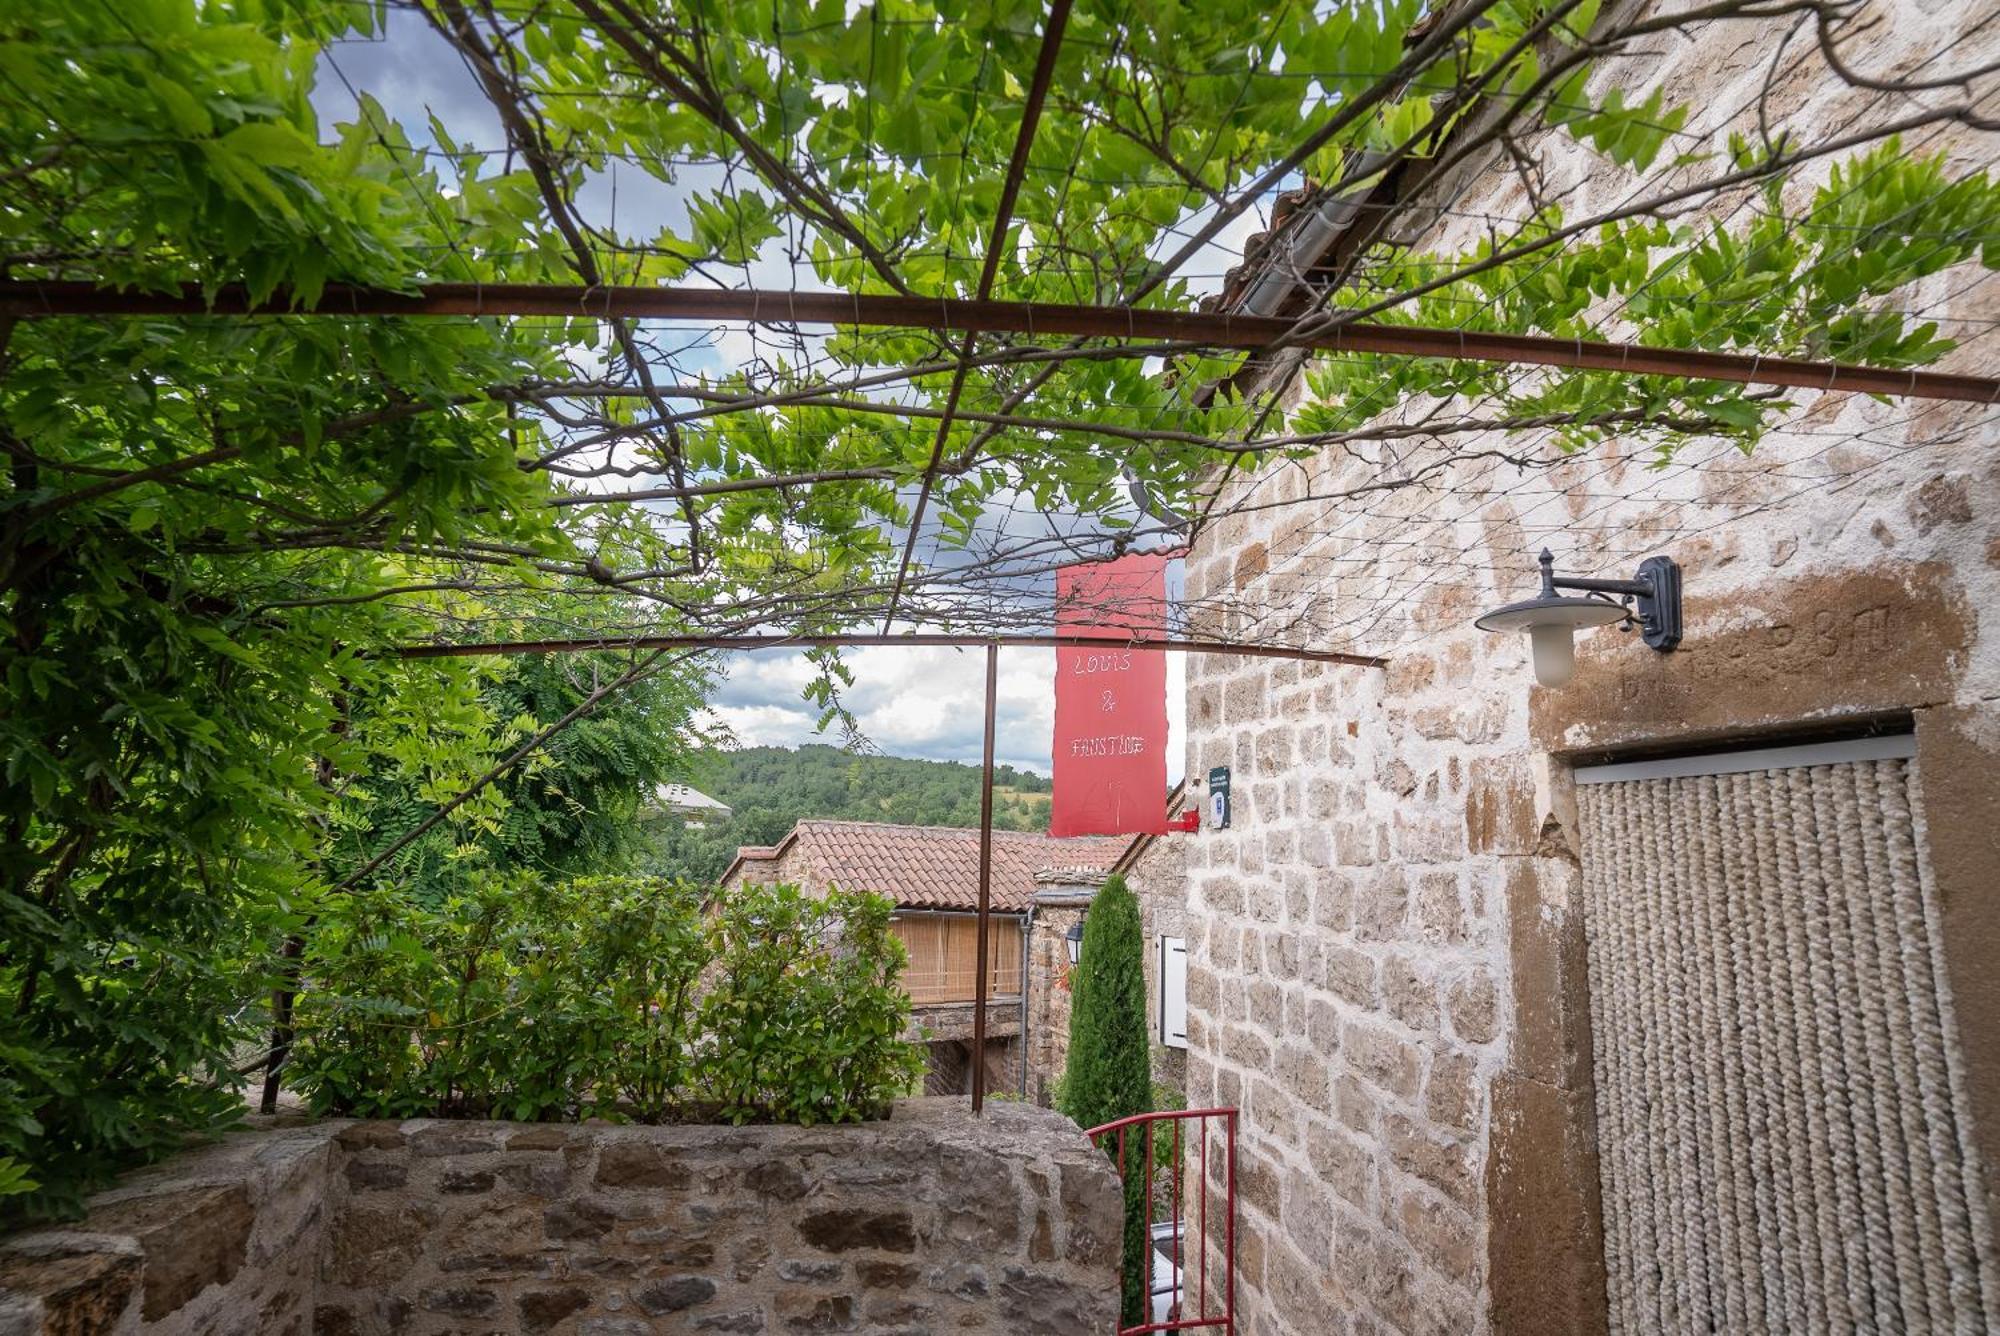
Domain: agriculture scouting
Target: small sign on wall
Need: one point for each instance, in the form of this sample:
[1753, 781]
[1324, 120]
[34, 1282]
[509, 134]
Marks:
[1218, 798]
[1173, 992]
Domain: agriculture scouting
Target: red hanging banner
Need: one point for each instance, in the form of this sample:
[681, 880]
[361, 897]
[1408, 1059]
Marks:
[1111, 703]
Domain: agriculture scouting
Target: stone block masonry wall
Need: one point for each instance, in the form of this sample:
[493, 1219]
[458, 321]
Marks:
[1158, 876]
[1385, 949]
[1345, 990]
[224, 1239]
[930, 1221]
[1060, 904]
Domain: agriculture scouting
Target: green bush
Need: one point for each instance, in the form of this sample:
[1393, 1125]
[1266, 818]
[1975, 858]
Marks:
[1109, 1073]
[609, 997]
[791, 1028]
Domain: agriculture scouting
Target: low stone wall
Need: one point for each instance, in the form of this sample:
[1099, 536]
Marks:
[953, 1020]
[930, 1221]
[225, 1239]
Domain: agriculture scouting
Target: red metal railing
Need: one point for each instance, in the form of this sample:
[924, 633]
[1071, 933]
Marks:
[1182, 1169]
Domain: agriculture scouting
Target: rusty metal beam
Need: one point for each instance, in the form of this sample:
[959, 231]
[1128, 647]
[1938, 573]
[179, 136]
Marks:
[1010, 190]
[863, 641]
[982, 929]
[29, 299]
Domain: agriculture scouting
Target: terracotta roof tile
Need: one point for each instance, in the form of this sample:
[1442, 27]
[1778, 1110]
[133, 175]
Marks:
[937, 867]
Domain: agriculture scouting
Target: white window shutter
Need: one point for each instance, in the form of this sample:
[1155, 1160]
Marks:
[1173, 992]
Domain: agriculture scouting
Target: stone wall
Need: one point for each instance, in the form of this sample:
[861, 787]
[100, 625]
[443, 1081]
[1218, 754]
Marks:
[792, 866]
[224, 1239]
[1386, 967]
[930, 1221]
[1060, 903]
[1156, 870]
[945, 1030]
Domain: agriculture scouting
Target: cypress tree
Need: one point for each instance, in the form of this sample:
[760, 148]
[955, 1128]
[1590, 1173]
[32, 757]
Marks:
[1109, 1074]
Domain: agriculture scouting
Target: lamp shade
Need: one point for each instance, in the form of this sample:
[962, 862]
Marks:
[1571, 612]
[1551, 624]
[1553, 649]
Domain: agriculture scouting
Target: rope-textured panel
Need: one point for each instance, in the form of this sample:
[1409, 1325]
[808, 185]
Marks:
[1781, 1121]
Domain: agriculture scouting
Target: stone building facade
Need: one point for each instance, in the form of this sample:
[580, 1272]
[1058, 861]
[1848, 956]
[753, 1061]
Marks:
[932, 874]
[1061, 901]
[1387, 947]
[1155, 868]
[1041, 888]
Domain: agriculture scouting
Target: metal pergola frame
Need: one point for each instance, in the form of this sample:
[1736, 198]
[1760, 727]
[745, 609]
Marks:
[969, 317]
[918, 639]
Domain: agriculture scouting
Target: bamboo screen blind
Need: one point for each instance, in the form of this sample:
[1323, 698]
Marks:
[944, 954]
[1781, 1122]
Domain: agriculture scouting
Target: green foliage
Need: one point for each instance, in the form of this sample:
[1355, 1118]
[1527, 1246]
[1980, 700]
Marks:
[1109, 1071]
[205, 527]
[628, 998]
[1168, 1144]
[14, 1179]
[1820, 282]
[17, 1124]
[1110, 1062]
[804, 1020]
[770, 789]
[572, 808]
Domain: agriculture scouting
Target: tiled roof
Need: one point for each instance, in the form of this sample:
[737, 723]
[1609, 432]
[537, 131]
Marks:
[930, 867]
[1177, 803]
[685, 797]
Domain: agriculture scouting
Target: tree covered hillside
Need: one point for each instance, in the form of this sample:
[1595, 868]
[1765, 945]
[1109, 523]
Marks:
[770, 789]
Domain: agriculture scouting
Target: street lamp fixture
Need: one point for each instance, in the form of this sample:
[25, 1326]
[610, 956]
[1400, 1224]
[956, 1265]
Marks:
[1074, 940]
[1650, 601]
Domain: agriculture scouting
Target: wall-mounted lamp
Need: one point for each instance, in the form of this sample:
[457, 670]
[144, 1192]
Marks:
[1074, 940]
[1652, 602]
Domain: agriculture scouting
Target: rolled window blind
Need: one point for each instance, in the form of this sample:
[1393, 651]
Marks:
[1782, 1125]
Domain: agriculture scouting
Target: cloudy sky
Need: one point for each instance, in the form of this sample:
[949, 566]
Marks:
[919, 702]
[909, 702]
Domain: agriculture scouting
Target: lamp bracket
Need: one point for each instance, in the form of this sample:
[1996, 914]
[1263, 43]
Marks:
[1654, 596]
[1659, 607]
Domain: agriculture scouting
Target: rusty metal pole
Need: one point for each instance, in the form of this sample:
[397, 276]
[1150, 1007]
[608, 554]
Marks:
[291, 956]
[1010, 189]
[985, 887]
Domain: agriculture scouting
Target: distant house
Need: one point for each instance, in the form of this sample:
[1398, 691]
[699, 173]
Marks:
[932, 873]
[1155, 867]
[688, 803]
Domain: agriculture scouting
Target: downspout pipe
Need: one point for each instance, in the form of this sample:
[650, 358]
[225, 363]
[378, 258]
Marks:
[1027, 982]
[1309, 243]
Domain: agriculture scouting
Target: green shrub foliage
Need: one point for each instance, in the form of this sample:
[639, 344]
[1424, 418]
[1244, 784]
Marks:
[1109, 1075]
[608, 997]
[572, 809]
